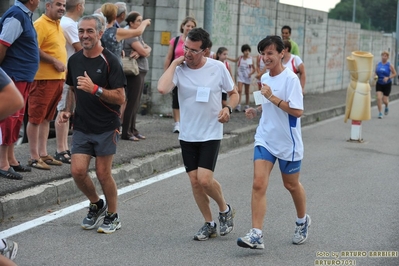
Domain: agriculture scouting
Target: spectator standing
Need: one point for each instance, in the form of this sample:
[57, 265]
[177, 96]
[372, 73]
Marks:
[96, 80]
[113, 37]
[278, 136]
[175, 51]
[245, 71]
[121, 14]
[384, 72]
[221, 54]
[18, 50]
[201, 81]
[260, 70]
[47, 86]
[294, 63]
[135, 48]
[286, 35]
[11, 100]
[74, 10]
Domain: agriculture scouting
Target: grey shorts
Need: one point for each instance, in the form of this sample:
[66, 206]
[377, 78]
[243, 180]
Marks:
[94, 144]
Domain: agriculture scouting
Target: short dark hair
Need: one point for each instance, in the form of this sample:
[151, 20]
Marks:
[245, 47]
[286, 27]
[199, 35]
[271, 40]
[220, 51]
[132, 17]
[99, 25]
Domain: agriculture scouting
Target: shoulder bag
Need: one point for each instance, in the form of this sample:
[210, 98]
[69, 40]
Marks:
[130, 66]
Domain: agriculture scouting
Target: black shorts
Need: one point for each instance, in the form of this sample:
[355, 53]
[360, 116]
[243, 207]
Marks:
[200, 154]
[384, 88]
[224, 96]
[94, 144]
[175, 99]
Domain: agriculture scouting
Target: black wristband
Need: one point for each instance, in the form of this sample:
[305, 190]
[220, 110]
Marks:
[278, 105]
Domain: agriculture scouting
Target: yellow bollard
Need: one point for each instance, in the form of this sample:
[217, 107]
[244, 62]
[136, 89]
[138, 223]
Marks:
[358, 96]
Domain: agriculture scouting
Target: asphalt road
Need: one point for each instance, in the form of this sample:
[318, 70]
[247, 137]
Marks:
[352, 199]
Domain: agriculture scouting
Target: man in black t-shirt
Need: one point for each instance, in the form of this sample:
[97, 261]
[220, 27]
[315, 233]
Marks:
[96, 80]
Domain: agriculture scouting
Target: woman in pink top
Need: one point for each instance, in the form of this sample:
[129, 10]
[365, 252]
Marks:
[175, 51]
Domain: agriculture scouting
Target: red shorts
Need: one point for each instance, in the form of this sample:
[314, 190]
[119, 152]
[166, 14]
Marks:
[43, 99]
[10, 126]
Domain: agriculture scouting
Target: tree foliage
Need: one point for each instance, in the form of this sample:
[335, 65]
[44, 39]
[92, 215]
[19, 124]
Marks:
[371, 14]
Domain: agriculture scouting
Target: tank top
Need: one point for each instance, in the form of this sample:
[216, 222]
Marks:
[383, 70]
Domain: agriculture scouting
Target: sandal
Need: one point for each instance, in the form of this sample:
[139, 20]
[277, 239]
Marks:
[10, 174]
[63, 157]
[139, 136]
[39, 164]
[134, 138]
[21, 168]
[48, 159]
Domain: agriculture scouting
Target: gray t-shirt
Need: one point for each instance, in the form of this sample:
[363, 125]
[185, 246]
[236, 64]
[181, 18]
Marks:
[127, 47]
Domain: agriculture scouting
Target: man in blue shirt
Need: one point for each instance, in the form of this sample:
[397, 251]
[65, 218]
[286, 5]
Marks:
[18, 50]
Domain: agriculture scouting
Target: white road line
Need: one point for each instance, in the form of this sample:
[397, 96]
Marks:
[63, 212]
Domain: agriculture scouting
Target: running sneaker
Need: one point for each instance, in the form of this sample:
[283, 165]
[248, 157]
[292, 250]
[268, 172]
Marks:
[11, 249]
[111, 224]
[245, 108]
[238, 108]
[386, 111]
[226, 221]
[251, 240]
[206, 232]
[301, 231]
[380, 115]
[94, 217]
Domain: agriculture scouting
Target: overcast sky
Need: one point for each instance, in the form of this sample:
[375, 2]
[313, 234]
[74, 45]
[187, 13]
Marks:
[323, 5]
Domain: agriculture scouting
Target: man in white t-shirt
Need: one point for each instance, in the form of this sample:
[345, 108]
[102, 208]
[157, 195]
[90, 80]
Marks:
[200, 81]
[69, 23]
[278, 137]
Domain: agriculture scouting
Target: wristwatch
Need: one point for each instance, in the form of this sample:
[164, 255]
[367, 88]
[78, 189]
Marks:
[99, 92]
[230, 109]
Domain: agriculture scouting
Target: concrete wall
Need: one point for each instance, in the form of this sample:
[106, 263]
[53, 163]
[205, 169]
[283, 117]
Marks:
[324, 43]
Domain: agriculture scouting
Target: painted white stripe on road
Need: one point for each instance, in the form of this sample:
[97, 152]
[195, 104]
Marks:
[63, 212]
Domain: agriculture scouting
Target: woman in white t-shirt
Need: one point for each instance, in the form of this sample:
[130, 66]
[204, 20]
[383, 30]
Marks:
[294, 63]
[278, 137]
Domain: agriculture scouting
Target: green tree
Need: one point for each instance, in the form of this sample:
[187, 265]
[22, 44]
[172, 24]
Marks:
[373, 15]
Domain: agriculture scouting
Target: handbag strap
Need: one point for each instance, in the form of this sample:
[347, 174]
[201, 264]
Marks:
[174, 48]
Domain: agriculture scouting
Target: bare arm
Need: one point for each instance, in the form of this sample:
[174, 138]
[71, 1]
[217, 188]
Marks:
[77, 46]
[168, 58]
[302, 76]
[3, 50]
[58, 65]
[233, 60]
[10, 100]
[69, 106]
[116, 96]
[393, 74]
[144, 51]
[233, 97]
[122, 34]
[165, 82]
